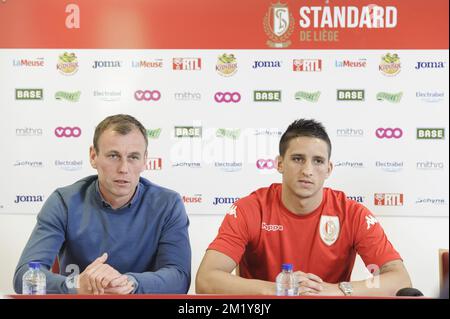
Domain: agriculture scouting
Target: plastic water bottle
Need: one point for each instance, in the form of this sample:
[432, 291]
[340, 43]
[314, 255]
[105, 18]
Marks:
[34, 281]
[286, 282]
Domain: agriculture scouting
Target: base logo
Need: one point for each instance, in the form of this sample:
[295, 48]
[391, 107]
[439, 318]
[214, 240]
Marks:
[278, 25]
[29, 94]
[226, 64]
[267, 96]
[390, 64]
[430, 133]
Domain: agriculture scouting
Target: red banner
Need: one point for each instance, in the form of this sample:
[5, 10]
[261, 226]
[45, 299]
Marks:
[213, 24]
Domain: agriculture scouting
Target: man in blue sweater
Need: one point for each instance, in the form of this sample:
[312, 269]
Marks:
[115, 232]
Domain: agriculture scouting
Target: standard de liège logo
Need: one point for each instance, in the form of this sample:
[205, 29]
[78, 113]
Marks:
[329, 229]
[278, 25]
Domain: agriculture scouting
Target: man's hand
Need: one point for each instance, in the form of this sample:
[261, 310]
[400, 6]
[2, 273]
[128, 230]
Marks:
[120, 286]
[98, 276]
[309, 284]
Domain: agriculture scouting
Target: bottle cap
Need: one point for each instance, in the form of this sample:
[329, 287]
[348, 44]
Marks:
[34, 264]
[287, 267]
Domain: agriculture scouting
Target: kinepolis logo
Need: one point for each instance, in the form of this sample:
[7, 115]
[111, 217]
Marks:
[267, 96]
[312, 97]
[147, 95]
[195, 199]
[69, 165]
[348, 164]
[29, 131]
[228, 166]
[29, 199]
[108, 96]
[350, 95]
[356, 198]
[187, 64]
[430, 65]
[349, 132]
[392, 167]
[390, 64]
[67, 63]
[278, 25]
[38, 62]
[144, 64]
[430, 133]
[29, 94]
[388, 199]
[188, 131]
[107, 64]
[226, 64]
[390, 97]
[228, 133]
[389, 132]
[430, 166]
[68, 96]
[307, 65]
[431, 201]
[67, 131]
[187, 96]
[187, 164]
[430, 96]
[224, 200]
[227, 97]
[32, 164]
[360, 63]
[266, 64]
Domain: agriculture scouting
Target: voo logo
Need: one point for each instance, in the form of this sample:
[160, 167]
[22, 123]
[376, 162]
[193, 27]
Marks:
[227, 97]
[147, 95]
[67, 131]
[266, 164]
[389, 132]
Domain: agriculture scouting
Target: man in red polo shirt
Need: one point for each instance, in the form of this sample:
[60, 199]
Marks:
[299, 221]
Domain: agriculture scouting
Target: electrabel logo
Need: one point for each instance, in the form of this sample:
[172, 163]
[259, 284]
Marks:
[69, 165]
[350, 95]
[38, 62]
[307, 65]
[67, 131]
[224, 200]
[32, 164]
[430, 133]
[430, 65]
[356, 198]
[107, 64]
[187, 96]
[147, 95]
[108, 96]
[266, 164]
[347, 164]
[154, 164]
[144, 64]
[391, 167]
[67, 63]
[29, 94]
[268, 227]
[312, 97]
[28, 131]
[227, 97]
[430, 96]
[188, 131]
[390, 97]
[390, 64]
[187, 64]
[267, 96]
[349, 132]
[360, 63]
[389, 132]
[195, 199]
[430, 166]
[29, 199]
[228, 133]
[266, 64]
[68, 96]
[388, 199]
[154, 133]
[226, 64]
[229, 166]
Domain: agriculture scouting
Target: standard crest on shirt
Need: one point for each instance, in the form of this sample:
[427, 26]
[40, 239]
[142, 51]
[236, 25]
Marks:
[329, 229]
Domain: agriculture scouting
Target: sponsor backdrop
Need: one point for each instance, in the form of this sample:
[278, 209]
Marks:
[216, 101]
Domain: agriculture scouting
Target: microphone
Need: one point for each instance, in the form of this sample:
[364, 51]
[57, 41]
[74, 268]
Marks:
[411, 292]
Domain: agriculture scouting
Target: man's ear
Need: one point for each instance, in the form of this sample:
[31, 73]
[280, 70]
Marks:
[330, 168]
[93, 157]
[280, 164]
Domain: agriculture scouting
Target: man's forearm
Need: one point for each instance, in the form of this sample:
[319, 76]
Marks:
[221, 282]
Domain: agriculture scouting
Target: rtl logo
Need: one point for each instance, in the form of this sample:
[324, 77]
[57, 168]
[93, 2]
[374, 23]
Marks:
[187, 64]
[307, 65]
[388, 199]
[154, 164]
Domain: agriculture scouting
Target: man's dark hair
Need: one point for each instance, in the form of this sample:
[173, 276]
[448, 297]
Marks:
[303, 127]
[120, 123]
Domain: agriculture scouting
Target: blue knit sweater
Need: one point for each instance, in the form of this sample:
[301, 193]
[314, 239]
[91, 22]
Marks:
[146, 239]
